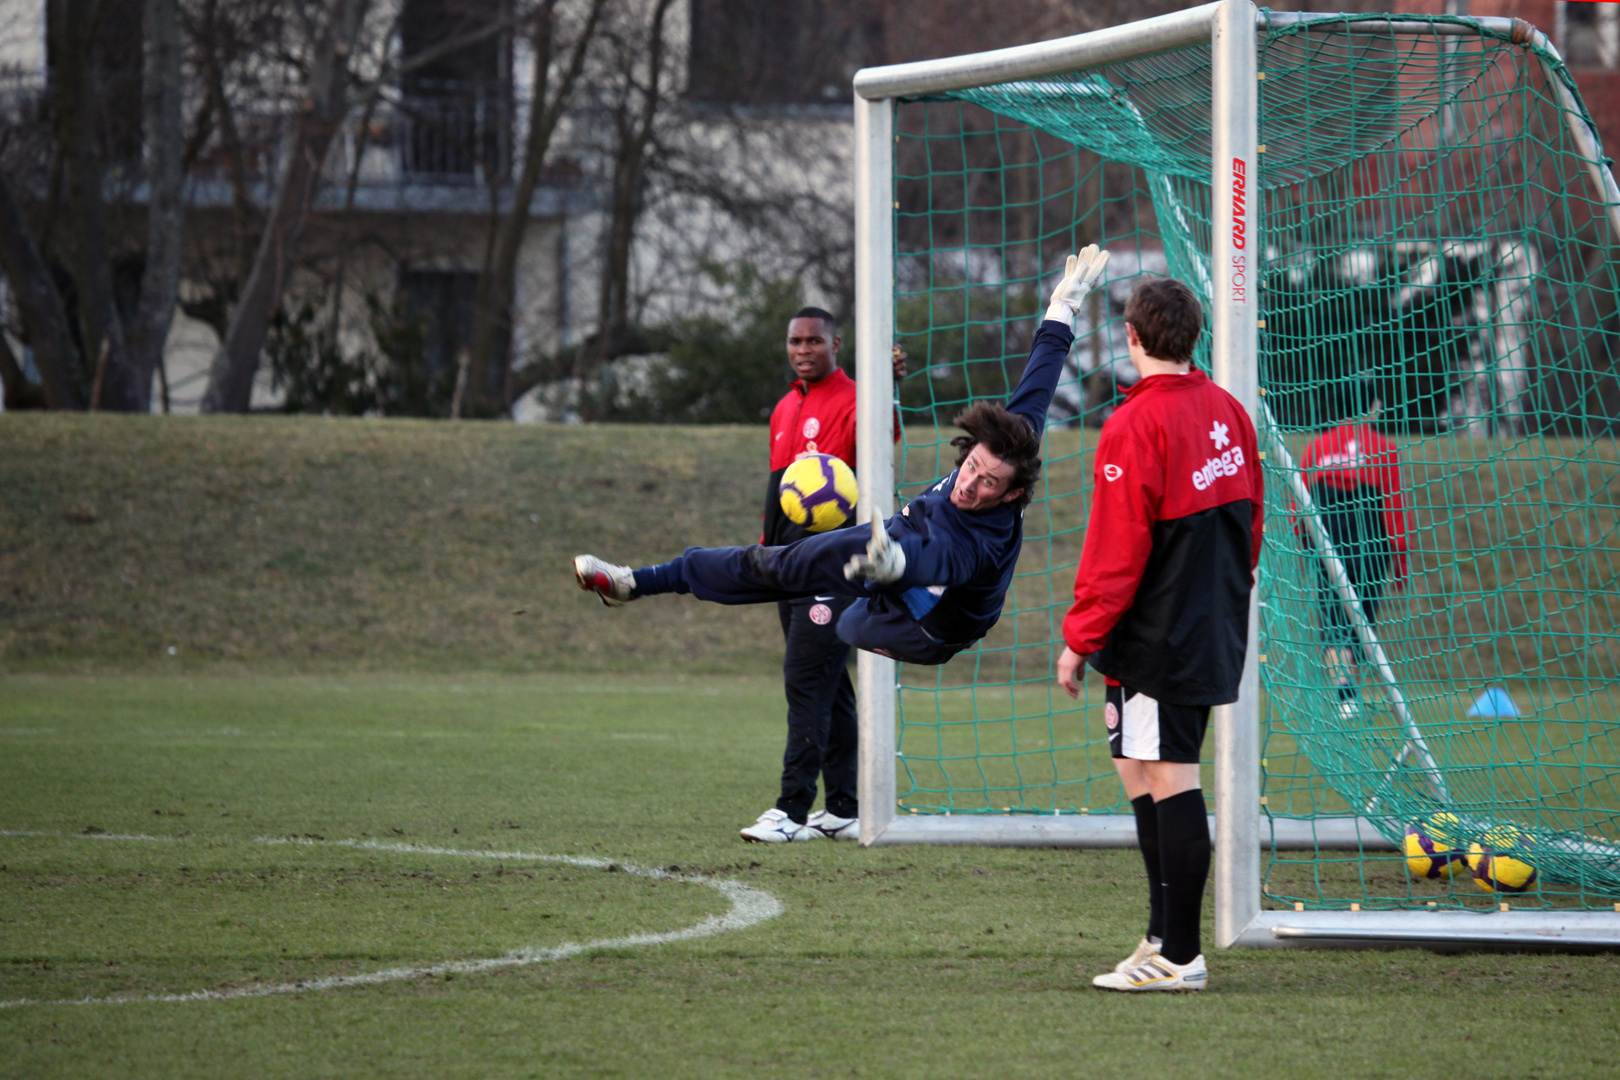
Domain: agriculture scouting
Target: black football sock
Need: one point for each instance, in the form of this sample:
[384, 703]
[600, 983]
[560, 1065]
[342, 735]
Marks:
[1184, 861]
[663, 578]
[1147, 838]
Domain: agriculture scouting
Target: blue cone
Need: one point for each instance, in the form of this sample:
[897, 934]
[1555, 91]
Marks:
[1494, 702]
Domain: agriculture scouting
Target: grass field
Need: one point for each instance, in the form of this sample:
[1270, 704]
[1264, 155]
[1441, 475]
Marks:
[893, 962]
[402, 802]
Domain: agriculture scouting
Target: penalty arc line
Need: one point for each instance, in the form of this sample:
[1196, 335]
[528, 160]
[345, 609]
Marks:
[749, 906]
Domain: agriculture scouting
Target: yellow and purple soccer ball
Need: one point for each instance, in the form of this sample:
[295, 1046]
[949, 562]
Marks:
[818, 492]
[1430, 849]
[1500, 864]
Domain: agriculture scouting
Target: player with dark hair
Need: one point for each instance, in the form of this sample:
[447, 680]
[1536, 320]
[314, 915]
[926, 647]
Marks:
[1161, 609]
[815, 416]
[931, 580]
[1354, 477]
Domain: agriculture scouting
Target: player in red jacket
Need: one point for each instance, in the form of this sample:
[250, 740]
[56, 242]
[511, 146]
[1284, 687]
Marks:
[815, 416]
[1161, 609]
[1354, 476]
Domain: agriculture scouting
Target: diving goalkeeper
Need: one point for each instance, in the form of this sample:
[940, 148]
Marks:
[930, 581]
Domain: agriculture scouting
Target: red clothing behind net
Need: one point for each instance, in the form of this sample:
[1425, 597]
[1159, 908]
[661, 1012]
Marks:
[1354, 455]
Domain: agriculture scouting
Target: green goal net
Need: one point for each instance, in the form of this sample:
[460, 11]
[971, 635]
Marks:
[1436, 268]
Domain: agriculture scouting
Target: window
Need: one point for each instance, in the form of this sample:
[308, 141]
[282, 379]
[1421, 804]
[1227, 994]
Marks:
[457, 107]
[445, 300]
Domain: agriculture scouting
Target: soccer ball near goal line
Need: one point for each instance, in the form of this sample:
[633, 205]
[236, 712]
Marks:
[1428, 849]
[1497, 864]
[818, 492]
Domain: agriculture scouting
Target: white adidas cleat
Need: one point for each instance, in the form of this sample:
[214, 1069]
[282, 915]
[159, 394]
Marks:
[834, 827]
[614, 584]
[1146, 949]
[1156, 973]
[775, 827]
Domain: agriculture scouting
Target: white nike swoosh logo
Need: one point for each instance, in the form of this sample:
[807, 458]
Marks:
[823, 598]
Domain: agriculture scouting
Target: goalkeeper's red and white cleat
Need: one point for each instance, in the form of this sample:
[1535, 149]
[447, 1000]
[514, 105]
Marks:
[614, 584]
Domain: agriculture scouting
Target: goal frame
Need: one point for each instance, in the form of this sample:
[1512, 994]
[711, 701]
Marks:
[1232, 29]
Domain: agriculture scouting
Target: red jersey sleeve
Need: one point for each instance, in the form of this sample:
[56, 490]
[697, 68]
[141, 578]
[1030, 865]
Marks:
[1356, 454]
[1127, 489]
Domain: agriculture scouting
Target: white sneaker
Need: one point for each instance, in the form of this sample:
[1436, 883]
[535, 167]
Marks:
[1349, 710]
[1157, 973]
[613, 583]
[775, 827]
[834, 827]
[1145, 951]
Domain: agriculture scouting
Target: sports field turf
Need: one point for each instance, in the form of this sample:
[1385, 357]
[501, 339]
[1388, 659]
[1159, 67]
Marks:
[895, 962]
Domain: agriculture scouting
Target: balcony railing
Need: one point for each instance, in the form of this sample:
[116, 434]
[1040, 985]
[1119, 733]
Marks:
[434, 145]
[439, 134]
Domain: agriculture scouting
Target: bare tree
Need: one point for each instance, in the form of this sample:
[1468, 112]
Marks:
[44, 319]
[80, 140]
[91, 137]
[164, 92]
[636, 96]
[325, 104]
[550, 98]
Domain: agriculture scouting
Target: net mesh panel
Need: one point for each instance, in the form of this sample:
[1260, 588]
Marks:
[1437, 265]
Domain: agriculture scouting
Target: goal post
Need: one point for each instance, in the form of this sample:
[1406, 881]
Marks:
[1212, 229]
[874, 445]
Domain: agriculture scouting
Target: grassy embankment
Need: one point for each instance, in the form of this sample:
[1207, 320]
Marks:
[309, 544]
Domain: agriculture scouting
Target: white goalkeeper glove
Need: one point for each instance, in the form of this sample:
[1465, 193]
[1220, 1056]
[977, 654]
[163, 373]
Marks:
[1080, 273]
[883, 562]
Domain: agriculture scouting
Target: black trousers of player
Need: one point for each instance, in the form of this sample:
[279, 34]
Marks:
[875, 621]
[822, 737]
[1351, 518]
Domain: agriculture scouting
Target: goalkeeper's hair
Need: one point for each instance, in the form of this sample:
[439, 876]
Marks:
[1006, 435]
[829, 321]
[1167, 317]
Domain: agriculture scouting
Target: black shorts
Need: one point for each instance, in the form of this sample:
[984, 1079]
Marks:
[1142, 729]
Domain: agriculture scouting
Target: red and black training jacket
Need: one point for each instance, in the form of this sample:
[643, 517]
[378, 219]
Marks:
[1161, 598]
[1354, 458]
[811, 418]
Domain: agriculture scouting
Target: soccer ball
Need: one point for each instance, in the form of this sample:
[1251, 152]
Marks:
[1428, 849]
[818, 492]
[1496, 864]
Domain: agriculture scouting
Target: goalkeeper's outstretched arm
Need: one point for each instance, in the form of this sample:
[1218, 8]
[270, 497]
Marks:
[1033, 395]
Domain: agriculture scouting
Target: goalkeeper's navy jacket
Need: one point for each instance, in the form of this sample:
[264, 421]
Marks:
[1161, 597]
[960, 565]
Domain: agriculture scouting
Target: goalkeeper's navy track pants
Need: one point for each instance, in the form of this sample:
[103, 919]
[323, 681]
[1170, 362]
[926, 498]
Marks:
[876, 621]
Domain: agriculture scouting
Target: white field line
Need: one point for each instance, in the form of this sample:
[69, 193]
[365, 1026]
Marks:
[749, 906]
